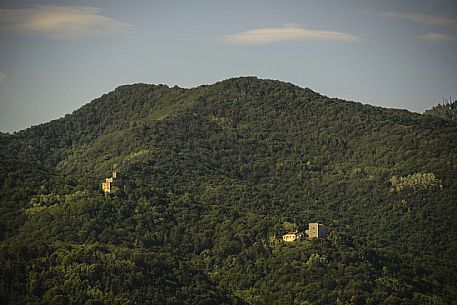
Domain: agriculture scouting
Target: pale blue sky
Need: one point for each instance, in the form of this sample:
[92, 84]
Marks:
[56, 56]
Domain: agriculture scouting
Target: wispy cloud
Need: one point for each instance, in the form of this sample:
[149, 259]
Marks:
[2, 77]
[286, 33]
[422, 19]
[437, 37]
[59, 22]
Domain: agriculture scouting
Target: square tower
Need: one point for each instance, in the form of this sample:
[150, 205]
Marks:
[316, 230]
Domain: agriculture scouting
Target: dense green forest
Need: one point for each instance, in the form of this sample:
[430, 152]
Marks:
[446, 111]
[208, 180]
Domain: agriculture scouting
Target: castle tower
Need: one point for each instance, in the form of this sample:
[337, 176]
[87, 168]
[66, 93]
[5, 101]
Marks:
[316, 230]
[106, 186]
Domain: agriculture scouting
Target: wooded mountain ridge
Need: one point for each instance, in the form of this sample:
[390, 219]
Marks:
[209, 179]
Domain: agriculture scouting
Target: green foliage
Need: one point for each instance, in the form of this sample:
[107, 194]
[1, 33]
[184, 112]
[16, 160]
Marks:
[290, 227]
[415, 182]
[209, 179]
[445, 111]
[99, 274]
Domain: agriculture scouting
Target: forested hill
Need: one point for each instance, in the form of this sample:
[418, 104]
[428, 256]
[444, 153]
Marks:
[208, 180]
[444, 111]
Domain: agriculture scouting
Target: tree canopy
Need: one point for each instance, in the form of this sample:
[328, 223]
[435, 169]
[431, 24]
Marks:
[208, 180]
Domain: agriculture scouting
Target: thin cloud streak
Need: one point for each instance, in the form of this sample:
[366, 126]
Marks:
[437, 37]
[286, 33]
[2, 77]
[422, 19]
[59, 22]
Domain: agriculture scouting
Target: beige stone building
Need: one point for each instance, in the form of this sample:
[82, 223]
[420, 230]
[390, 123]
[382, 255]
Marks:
[106, 186]
[316, 230]
[293, 236]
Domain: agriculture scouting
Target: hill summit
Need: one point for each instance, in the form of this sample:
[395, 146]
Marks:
[208, 180]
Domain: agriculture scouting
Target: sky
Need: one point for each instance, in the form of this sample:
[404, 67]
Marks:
[56, 56]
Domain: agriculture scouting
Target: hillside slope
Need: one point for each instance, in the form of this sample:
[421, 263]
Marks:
[445, 111]
[209, 179]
